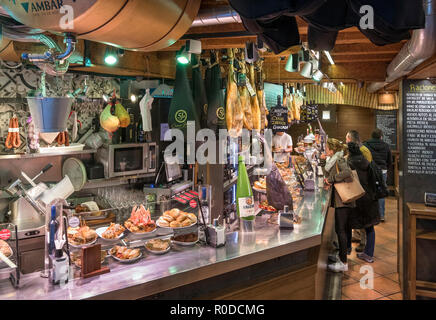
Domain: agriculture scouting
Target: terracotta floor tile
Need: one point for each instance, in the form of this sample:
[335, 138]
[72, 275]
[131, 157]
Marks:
[355, 292]
[396, 296]
[391, 246]
[347, 280]
[389, 259]
[381, 252]
[386, 286]
[393, 277]
[384, 236]
[384, 268]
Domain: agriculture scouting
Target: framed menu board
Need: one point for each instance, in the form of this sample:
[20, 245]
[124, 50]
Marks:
[278, 119]
[387, 122]
[419, 135]
[417, 119]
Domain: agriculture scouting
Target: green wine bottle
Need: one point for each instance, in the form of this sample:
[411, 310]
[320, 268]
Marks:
[244, 194]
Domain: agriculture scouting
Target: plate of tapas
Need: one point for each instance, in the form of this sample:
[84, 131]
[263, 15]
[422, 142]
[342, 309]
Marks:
[124, 254]
[260, 185]
[112, 233]
[176, 219]
[158, 246]
[6, 250]
[189, 239]
[80, 237]
[265, 207]
[140, 222]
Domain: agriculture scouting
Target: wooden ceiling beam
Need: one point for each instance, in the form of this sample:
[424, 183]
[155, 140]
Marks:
[359, 49]
[375, 71]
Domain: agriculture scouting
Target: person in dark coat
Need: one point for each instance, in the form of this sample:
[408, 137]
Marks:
[382, 156]
[366, 214]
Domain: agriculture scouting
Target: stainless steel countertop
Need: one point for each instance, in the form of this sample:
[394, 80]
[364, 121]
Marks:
[241, 249]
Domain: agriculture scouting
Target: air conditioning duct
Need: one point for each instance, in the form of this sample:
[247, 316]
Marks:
[130, 24]
[418, 49]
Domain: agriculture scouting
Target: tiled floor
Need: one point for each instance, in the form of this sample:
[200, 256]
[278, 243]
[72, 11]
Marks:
[385, 284]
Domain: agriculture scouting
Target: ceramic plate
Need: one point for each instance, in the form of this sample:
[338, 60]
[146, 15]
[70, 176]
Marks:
[158, 252]
[185, 244]
[82, 245]
[126, 260]
[101, 230]
[157, 222]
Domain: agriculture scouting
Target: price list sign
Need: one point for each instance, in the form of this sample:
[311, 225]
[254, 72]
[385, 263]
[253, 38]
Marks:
[419, 127]
[386, 121]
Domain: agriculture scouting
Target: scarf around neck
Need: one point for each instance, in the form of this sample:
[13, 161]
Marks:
[332, 161]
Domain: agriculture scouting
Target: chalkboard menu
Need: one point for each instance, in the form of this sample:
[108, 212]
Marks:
[278, 119]
[418, 111]
[271, 91]
[386, 121]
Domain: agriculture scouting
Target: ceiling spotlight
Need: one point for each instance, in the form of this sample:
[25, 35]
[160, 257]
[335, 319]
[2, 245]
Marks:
[183, 57]
[329, 57]
[133, 98]
[110, 56]
[307, 70]
[317, 76]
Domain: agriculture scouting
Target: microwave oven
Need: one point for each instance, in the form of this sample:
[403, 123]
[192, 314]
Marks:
[128, 159]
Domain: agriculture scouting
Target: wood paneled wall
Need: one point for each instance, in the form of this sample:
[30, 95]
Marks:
[343, 118]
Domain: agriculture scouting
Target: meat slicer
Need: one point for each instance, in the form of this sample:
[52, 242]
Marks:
[28, 208]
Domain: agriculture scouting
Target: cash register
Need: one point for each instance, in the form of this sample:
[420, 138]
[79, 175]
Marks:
[168, 184]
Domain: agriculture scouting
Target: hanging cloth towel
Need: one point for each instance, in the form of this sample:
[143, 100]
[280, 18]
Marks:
[145, 107]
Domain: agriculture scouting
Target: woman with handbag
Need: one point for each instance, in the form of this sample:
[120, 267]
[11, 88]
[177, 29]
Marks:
[366, 214]
[336, 171]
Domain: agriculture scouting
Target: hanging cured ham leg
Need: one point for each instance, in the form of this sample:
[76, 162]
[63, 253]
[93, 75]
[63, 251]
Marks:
[234, 113]
[255, 109]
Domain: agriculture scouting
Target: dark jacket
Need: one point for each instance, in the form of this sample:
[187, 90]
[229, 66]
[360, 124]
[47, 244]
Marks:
[333, 176]
[366, 213]
[381, 153]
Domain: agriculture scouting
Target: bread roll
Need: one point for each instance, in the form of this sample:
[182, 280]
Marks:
[192, 217]
[175, 224]
[175, 213]
[167, 218]
[163, 223]
[182, 217]
[186, 222]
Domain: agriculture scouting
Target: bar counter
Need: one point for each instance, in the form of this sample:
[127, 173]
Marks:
[245, 267]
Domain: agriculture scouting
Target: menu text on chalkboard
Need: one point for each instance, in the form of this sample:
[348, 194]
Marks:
[278, 119]
[386, 121]
[419, 122]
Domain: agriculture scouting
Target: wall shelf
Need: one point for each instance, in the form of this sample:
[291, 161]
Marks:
[43, 155]
[427, 235]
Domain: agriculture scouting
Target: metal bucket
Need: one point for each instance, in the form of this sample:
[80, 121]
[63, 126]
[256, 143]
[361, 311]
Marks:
[50, 114]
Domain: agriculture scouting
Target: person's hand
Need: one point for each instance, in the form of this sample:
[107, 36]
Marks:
[323, 156]
[326, 182]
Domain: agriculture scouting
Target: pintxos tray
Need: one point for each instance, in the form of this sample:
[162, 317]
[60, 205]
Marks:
[101, 232]
[118, 250]
[152, 246]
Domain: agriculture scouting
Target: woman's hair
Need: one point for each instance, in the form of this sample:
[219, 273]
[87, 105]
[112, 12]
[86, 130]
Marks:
[354, 149]
[335, 145]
